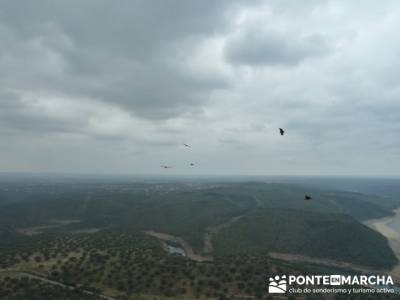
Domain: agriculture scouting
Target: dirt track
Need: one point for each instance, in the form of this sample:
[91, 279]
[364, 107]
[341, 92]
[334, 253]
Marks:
[212, 231]
[43, 278]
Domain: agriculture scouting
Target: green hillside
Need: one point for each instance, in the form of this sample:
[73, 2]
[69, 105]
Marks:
[273, 217]
[332, 236]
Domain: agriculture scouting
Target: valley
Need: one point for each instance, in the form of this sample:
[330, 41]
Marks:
[170, 241]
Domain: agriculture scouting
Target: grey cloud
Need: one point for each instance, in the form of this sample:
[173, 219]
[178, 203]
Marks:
[130, 54]
[17, 115]
[257, 48]
[91, 83]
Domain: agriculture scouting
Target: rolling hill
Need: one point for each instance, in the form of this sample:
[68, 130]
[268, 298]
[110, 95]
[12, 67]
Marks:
[272, 217]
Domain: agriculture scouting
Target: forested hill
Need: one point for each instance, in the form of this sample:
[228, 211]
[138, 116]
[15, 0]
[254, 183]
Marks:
[327, 226]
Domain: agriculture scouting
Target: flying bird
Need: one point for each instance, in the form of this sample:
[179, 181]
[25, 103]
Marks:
[306, 197]
[166, 167]
[281, 131]
[192, 164]
[186, 145]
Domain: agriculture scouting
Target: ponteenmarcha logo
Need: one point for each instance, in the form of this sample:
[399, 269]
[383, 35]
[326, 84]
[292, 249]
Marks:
[280, 284]
[277, 285]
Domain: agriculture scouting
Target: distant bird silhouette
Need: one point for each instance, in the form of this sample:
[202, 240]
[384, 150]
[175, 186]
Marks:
[281, 131]
[192, 164]
[186, 145]
[166, 167]
[306, 197]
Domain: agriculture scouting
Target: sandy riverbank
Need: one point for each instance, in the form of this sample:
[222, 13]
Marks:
[383, 226]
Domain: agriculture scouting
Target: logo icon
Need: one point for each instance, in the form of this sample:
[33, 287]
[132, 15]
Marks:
[277, 285]
[335, 279]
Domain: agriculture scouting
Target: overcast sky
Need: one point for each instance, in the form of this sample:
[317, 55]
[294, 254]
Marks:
[118, 86]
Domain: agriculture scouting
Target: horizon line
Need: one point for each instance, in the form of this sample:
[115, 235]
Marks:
[102, 174]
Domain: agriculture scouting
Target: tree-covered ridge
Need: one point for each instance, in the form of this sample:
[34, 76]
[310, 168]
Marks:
[134, 266]
[332, 236]
[263, 210]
